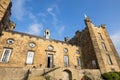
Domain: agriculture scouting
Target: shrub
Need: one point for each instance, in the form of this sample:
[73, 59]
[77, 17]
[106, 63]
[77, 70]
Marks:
[47, 77]
[111, 76]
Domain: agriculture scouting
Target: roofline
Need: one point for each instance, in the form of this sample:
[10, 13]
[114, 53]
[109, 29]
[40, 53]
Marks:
[11, 31]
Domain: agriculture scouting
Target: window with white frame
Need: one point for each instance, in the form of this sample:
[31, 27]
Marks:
[66, 61]
[104, 46]
[78, 61]
[30, 57]
[100, 36]
[94, 64]
[6, 55]
[109, 59]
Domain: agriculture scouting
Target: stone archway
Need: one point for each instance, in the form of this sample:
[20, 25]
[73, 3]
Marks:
[85, 77]
[67, 75]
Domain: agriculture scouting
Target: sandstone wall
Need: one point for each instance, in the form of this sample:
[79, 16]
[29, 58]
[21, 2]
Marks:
[3, 7]
[20, 48]
[104, 53]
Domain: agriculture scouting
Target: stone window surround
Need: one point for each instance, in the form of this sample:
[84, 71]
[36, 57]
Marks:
[32, 57]
[53, 64]
[68, 63]
[104, 46]
[78, 61]
[8, 54]
[94, 64]
[49, 52]
[109, 59]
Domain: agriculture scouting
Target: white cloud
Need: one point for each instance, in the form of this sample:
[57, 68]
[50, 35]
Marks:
[33, 17]
[61, 30]
[18, 9]
[49, 9]
[116, 40]
[41, 14]
[52, 10]
[35, 28]
[19, 12]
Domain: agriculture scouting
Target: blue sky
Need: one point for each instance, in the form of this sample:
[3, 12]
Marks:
[64, 17]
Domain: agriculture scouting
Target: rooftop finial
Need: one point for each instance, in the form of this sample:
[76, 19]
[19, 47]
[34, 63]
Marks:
[85, 16]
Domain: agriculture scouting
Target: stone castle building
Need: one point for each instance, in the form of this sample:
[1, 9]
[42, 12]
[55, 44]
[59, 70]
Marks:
[28, 57]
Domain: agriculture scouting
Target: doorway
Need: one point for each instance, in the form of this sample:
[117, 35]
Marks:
[50, 61]
[67, 75]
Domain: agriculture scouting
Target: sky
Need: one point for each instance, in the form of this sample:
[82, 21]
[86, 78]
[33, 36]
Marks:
[64, 17]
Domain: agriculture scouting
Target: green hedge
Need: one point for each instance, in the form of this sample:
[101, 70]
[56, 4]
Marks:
[111, 76]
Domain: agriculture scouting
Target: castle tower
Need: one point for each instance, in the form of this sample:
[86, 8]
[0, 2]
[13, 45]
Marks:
[98, 51]
[5, 13]
[47, 34]
[103, 48]
[94, 45]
